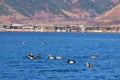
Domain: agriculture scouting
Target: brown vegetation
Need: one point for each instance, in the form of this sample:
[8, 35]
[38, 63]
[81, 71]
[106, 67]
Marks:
[111, 16]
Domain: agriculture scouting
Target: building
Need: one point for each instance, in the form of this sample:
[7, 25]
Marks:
[16, 26]
[62, 28]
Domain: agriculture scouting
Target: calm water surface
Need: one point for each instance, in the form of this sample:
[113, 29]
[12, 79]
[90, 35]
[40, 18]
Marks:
[78, 46]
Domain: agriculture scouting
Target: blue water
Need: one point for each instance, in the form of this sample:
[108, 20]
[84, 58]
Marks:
[77, 46]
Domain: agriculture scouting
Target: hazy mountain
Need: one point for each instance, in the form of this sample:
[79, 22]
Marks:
[52, 10]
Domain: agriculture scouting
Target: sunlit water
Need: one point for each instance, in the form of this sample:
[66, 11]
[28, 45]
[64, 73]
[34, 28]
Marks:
[15, 46]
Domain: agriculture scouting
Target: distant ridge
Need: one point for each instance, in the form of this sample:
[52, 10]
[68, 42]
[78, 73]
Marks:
[20, 11]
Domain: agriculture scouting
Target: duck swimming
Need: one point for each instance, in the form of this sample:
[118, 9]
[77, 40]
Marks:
[70, 61]
[93, 57]
[43, 42]
[58, 57]
[24, 42]
[88, 64]
[38, 56]
[50, 57]
[30, 56]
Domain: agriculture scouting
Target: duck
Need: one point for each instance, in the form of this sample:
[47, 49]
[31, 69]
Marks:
[30, 56]
[24, 42]
[93, 57]
[50, 57]
[43, 42]
[38, 56]
[58, 57]
[70, 61]
[88, 64]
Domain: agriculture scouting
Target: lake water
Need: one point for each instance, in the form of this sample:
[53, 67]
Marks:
[15, 46]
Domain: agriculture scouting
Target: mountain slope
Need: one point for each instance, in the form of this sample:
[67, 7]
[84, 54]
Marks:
[8, 13]
[53, 10]
[112, 15]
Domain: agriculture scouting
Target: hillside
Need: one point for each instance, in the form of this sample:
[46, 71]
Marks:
[112, 16]
[53, 10]
[8, 14]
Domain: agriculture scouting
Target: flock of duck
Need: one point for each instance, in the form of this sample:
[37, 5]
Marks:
[70, 61]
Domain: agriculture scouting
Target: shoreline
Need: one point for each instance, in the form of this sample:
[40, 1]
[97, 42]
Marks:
[22, 30]
[37, 30]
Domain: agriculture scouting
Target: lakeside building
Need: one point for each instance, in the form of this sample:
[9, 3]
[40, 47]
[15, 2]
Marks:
[45, 27]
[86, 28]
[16, 26]
[62, 28]
[59, 28]
[93, 28]
[69, 28]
